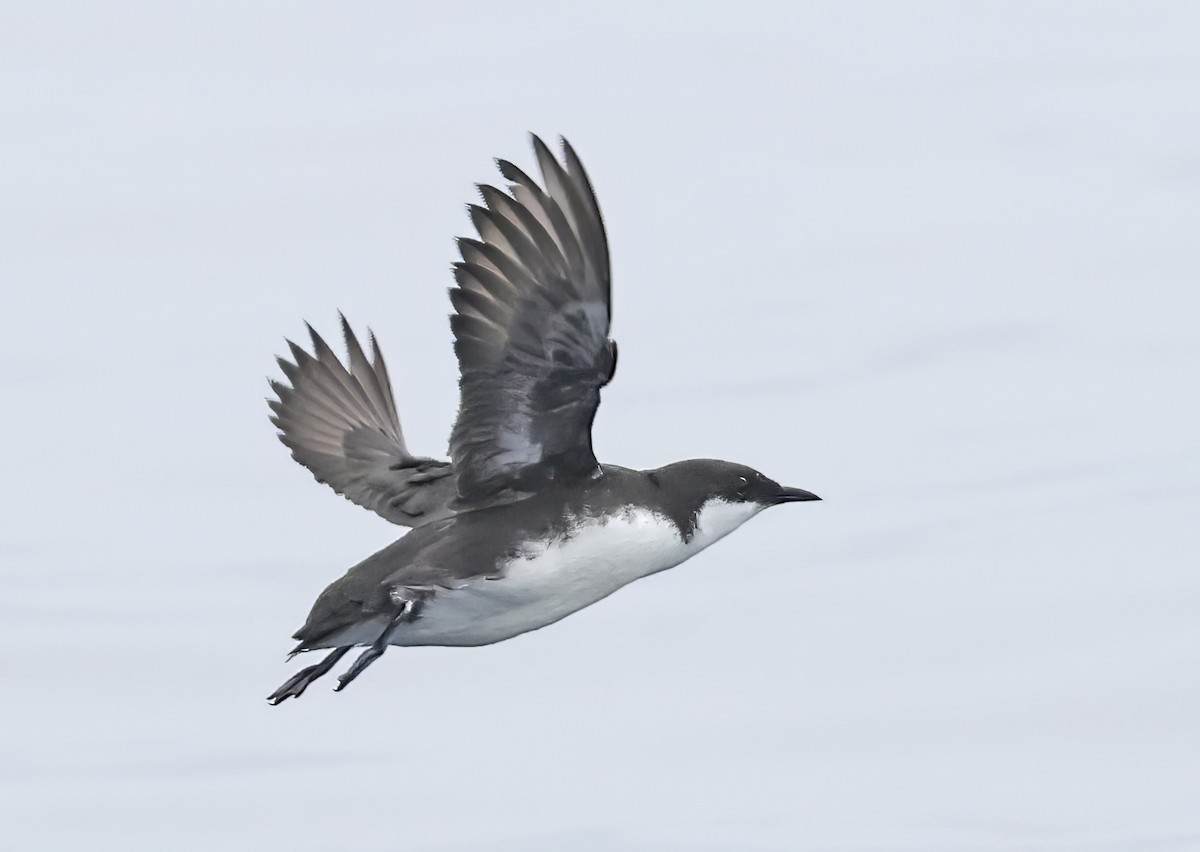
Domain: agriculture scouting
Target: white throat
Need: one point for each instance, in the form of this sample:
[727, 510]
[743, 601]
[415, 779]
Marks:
[718, 518]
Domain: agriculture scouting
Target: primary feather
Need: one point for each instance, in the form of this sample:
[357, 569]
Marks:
[340, 422]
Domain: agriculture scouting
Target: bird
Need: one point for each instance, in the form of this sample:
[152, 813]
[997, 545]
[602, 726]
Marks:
[522, 526]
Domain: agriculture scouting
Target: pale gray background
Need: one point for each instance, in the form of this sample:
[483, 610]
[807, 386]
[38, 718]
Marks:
[938, 263]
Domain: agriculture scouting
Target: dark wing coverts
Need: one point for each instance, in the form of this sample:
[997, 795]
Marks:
[342, 425]
[531, 332]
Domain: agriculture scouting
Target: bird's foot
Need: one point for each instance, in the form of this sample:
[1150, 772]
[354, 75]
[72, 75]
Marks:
[294, 686]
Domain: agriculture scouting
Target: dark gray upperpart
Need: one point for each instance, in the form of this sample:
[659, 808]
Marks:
[474, 545]
[531, 319]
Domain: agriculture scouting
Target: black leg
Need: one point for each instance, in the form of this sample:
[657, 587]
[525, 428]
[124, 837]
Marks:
[375, 651]
[298, 682]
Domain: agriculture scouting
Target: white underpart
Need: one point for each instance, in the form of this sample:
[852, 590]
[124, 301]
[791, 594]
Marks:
[561, 576]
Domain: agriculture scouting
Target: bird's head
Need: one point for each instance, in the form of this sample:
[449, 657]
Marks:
[723, 494]
[737, 483]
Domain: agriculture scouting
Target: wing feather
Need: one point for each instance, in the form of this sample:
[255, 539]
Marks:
[340, 422]
[531, 332]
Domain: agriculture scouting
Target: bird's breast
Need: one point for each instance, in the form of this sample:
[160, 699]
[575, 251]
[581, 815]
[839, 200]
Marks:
[548, 579]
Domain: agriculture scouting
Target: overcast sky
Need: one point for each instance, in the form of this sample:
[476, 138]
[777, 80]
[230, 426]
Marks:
[935, 262]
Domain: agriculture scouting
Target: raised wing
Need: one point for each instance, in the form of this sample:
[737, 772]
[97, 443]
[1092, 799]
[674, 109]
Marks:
[341, 424]
[531, 332]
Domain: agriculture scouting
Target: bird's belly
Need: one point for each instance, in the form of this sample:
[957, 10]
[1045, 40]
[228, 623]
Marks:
[551, 580]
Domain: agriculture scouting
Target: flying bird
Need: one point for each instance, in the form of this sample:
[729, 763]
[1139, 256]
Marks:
[522, 526]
